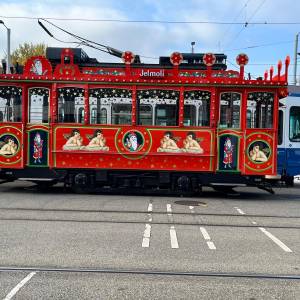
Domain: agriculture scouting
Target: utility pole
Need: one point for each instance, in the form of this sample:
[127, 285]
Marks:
[8, 48]
[295, 58]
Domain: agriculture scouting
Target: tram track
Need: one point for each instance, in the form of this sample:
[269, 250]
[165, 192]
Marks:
[143, 212]
[152, 223]
[237, 275]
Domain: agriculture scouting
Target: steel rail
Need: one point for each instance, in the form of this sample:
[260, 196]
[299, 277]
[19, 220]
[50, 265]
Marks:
[142, 212]
[152, 272]
[153, 223]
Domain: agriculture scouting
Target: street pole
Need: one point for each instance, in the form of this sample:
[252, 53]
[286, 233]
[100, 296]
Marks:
[8, 52]
[8, 48]
[295, 59]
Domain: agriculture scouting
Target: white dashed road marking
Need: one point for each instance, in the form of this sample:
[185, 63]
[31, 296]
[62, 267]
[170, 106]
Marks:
[275, 240]
[240, 211]
[147, 231]
[173, 235]
[14, 291]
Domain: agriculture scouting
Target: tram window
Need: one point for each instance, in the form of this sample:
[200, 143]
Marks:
[166, 115]
[280, 127]
[110, 106]
[196, 108]
[164, 106]
[121, 114]
[189, 115]
[10, 104]
[230, 110]
[294, 134]
[70, 105]
[145, 114]
[260, 107]
[38, 105]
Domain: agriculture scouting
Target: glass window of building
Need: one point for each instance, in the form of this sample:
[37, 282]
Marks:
[10, 104]
[230, 105]
[260, 106]
[70, 105]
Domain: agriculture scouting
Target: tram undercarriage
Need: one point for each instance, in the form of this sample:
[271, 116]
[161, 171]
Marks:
[85, 180]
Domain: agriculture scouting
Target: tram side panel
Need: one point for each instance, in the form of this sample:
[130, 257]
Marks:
[133, 148]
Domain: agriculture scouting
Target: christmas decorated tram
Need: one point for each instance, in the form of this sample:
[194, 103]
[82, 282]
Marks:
[181, 124]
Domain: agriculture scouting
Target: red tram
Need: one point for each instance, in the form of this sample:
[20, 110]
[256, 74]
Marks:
[181, 124]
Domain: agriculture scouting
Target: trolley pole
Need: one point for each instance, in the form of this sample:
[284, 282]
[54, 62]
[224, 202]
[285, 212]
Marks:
[8, 48]
[295, 58]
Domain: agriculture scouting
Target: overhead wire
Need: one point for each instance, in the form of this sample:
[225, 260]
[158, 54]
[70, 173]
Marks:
[157, 21]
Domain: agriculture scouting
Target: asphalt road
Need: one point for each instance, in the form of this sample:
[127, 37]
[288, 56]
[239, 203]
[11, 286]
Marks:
[59, 245]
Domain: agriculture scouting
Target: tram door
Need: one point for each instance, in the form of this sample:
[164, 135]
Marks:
[229, 132]
[38, 127]
[11, 127]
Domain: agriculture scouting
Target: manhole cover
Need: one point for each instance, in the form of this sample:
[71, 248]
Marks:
[190, 203]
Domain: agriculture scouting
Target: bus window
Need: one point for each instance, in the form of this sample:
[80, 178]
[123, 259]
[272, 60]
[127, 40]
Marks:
[196, 108]
[164, 104]
[10, 104]
[230, 104]
[38, 105]
[260, 105]
[294, 134]
[280, 127]
[70, 105]
[110, 106]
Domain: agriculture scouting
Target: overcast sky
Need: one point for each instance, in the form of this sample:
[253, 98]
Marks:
[151, 40]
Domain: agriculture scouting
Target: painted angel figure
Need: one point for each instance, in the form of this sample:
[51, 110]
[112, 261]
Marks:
[192, 143]
[37, 148]
[74, 141]
[258, 155]
[168, 143]
[8, 147]
[97, 142]
[228, 153]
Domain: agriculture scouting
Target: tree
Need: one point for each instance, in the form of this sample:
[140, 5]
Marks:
[27, 50]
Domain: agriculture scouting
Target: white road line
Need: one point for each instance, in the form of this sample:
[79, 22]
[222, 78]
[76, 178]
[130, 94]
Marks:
[169, 209]
[173, 236]
[275, 240]
[147, 231]
[19, 286]
[204, 233]
[146, 237]
[211, 245]
[206, 236]
[240, 211]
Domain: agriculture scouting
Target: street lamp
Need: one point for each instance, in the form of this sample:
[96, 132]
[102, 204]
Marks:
[8, 48]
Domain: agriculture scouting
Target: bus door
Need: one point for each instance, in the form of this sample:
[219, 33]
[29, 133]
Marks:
[229, 134]
[11, 127]
[37, 127]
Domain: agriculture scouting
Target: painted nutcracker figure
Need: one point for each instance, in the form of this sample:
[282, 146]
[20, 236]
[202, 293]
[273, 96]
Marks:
[37, 148]
[228, 153]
